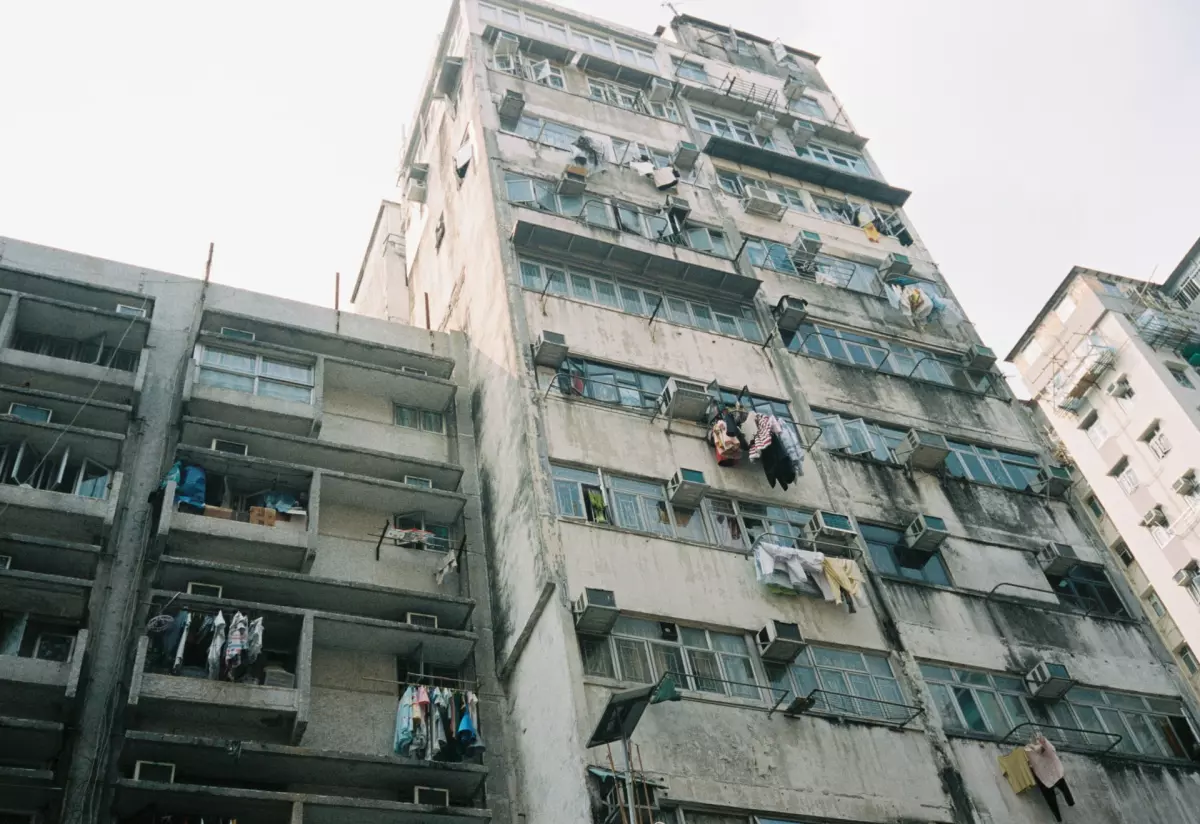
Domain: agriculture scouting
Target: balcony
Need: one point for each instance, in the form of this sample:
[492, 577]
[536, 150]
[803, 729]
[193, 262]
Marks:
[1082, 373]
[216, 521]
[44, 555]
[103, 416]
[63, 516]
[30, 741]
[549, 232]
[39, 665]
[789, 164]
[402, 385]
[70, 349]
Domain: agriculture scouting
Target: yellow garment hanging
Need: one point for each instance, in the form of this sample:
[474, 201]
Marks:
[843, 575]
[1015, 767]
[871, 232]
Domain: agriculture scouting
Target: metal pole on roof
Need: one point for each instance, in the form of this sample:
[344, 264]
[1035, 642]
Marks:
[208, 263]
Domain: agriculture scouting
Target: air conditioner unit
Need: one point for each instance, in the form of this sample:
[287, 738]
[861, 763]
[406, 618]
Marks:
[895, 264]
[1048, 682]
[33, 414]
[926, 533]
[687, 487]
[1155, 516]
[550, 350]
[1186, 484]
[801, 132]
[1057, 559]
[780, 642]
[1118, 388]
[447, 78]
[207, 590]
[1185, 576]
[805, 247]
[756, 201]
[790, 312]
[417, 480]
[274, 676]
[1053, 480]
[686, 154]
[765, 123]
[684, 400]
[431, 796]
[507, 43]
[232, 447]
[794, 86]
[573, 180]
[678, 207]
[830, 527]
[162, 772]
[511, 105]
[5, 562]
[659, 90]
[595, 611]
[418, 175]
[665, 177]
[923, 450]
[421, 619]
[980, 357]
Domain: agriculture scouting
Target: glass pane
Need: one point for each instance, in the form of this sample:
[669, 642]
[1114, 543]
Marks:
[294, 372]
[835, 682]
[864, 687]
[226, 380]
[825, 657]
[284, 391]
[667, 659]
[703, 316]
[93, 481]
[689, 525]
[235, 361]
[631, 657]
[878, 666]
[947, 707]
[606, 293]
[570, 501]
[531, 275]
[970, 709]
[708, 673]
[739, 670]
[992, 711]
[628, 513]
[432, 421]
[581, 287]
[597, 656]
[1114, 723]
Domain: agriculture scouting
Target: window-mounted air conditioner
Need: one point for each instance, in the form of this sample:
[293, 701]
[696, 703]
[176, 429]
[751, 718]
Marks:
[595, 611]
[805, 247]
[757, 201]
[162, 772]
[922, 450]
[573, 180]
[980, 357]
[794, 86]
[421, 619]
[1118, 388]
[764, 123]
[665, 177]
[895, 264]
[1185, 576]
[1052, 479]
[925, 534]
[779, 51]
[678, 207]
[507, 43]
[658, 90]
[550, 349]
[447, 76]
[1155, 516]
[33, 414]
[790, 312]
[207, 590]
[684, 400]
[1186, 484]
[511, 105]
[830, 527]
[5, 562]
[431, 796]
[780, 642]
[1048, 681]
[1057, 559]
[687, 487]
[801, 132]
[231, 447]
[417, 189]
[686, 154]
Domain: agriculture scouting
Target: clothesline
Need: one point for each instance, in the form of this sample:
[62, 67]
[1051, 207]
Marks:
[496, 695]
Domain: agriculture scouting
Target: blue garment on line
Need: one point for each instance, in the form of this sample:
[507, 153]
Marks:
[404, 723]
[191, 486]
[468, 736]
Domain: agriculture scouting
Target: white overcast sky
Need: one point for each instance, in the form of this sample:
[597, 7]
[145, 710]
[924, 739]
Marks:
[1034, 134]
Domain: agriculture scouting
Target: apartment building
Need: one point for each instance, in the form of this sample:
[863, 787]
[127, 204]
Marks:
[645, 238]
[233, 530]
[1111, 363]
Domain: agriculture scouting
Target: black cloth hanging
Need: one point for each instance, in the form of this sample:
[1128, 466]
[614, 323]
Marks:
[777, 466]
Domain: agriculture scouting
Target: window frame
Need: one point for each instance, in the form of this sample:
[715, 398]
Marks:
[257, 375]
[836, 157]
[848, 703]
[420, 418]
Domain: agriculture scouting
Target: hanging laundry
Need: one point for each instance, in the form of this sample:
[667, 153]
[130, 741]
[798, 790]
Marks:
[595, 500]
[190, 486]
[1048, 772]
[254, 643]
[764, 433]
[437, 724]
[845, 577]
[777, 466]
[728, 449]
[183, 621]
[778, 567]
[1015, 767]
[403, 738]
[472, 702]
[750, 427]
[215, 646]
[791, 444]
[235, 648]
[872, 233]
[449, 564]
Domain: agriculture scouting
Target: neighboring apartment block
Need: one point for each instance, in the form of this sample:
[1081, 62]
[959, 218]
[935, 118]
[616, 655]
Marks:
[1111, 362]
[646, 238]
[233, 529]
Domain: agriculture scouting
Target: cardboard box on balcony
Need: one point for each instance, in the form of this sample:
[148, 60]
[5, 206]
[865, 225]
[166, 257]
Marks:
[263, 516]
[218, 512]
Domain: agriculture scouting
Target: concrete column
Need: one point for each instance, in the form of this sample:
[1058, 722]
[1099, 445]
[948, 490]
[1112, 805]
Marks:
[8, 324]
[314, 515]
[303, 678]
[318, 395]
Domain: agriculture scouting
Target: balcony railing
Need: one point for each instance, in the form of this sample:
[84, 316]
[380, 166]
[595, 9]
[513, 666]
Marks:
[1098, 741]
[827, 702]
[1082, 373]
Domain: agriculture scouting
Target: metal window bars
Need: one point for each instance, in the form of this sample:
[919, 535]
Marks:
[1074, 736]
[845, 705]
[702, 686]
[1097, 607]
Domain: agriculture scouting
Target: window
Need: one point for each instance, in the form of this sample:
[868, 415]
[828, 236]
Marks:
[1121, 550]
[1065, 308]
[611, 384]
[1162, 535]
[1086, 587]
[133, 311]
[838, 158]
[737, 524]
[1189, 290]
[853, 683]
[848, 274]
[1032, 352]
[548, 74]
[1096, 431]
[437, 536]
[838, 211]
[92, 350]
[547, 132]
[34, 414]
[1188, 659]
[986, 465]
[855, 436]
[722, 126]
[256, 374]
[1156, 440]
[690, 70]
[422, 419]
[579, 494]
[625, 153]
[701, 660]
[808, 107]
[1179, 373]
[771, 255]
[609, 92]
[888, 356]
[1126, 478]
[892, 557]
[1155, 604]
[1093, 506]
[735, 184]
[1112, 289]
[735, 320]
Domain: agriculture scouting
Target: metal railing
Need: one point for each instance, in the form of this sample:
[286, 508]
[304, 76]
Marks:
[712, 685]
[841, 704]
[1097, 607]
[1078, 739]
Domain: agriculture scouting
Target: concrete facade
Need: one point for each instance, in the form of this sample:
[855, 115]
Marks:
[363, 420]
[499, 239]
[1113, 384]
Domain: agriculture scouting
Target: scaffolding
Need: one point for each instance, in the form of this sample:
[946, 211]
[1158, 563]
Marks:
[1163, 324]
